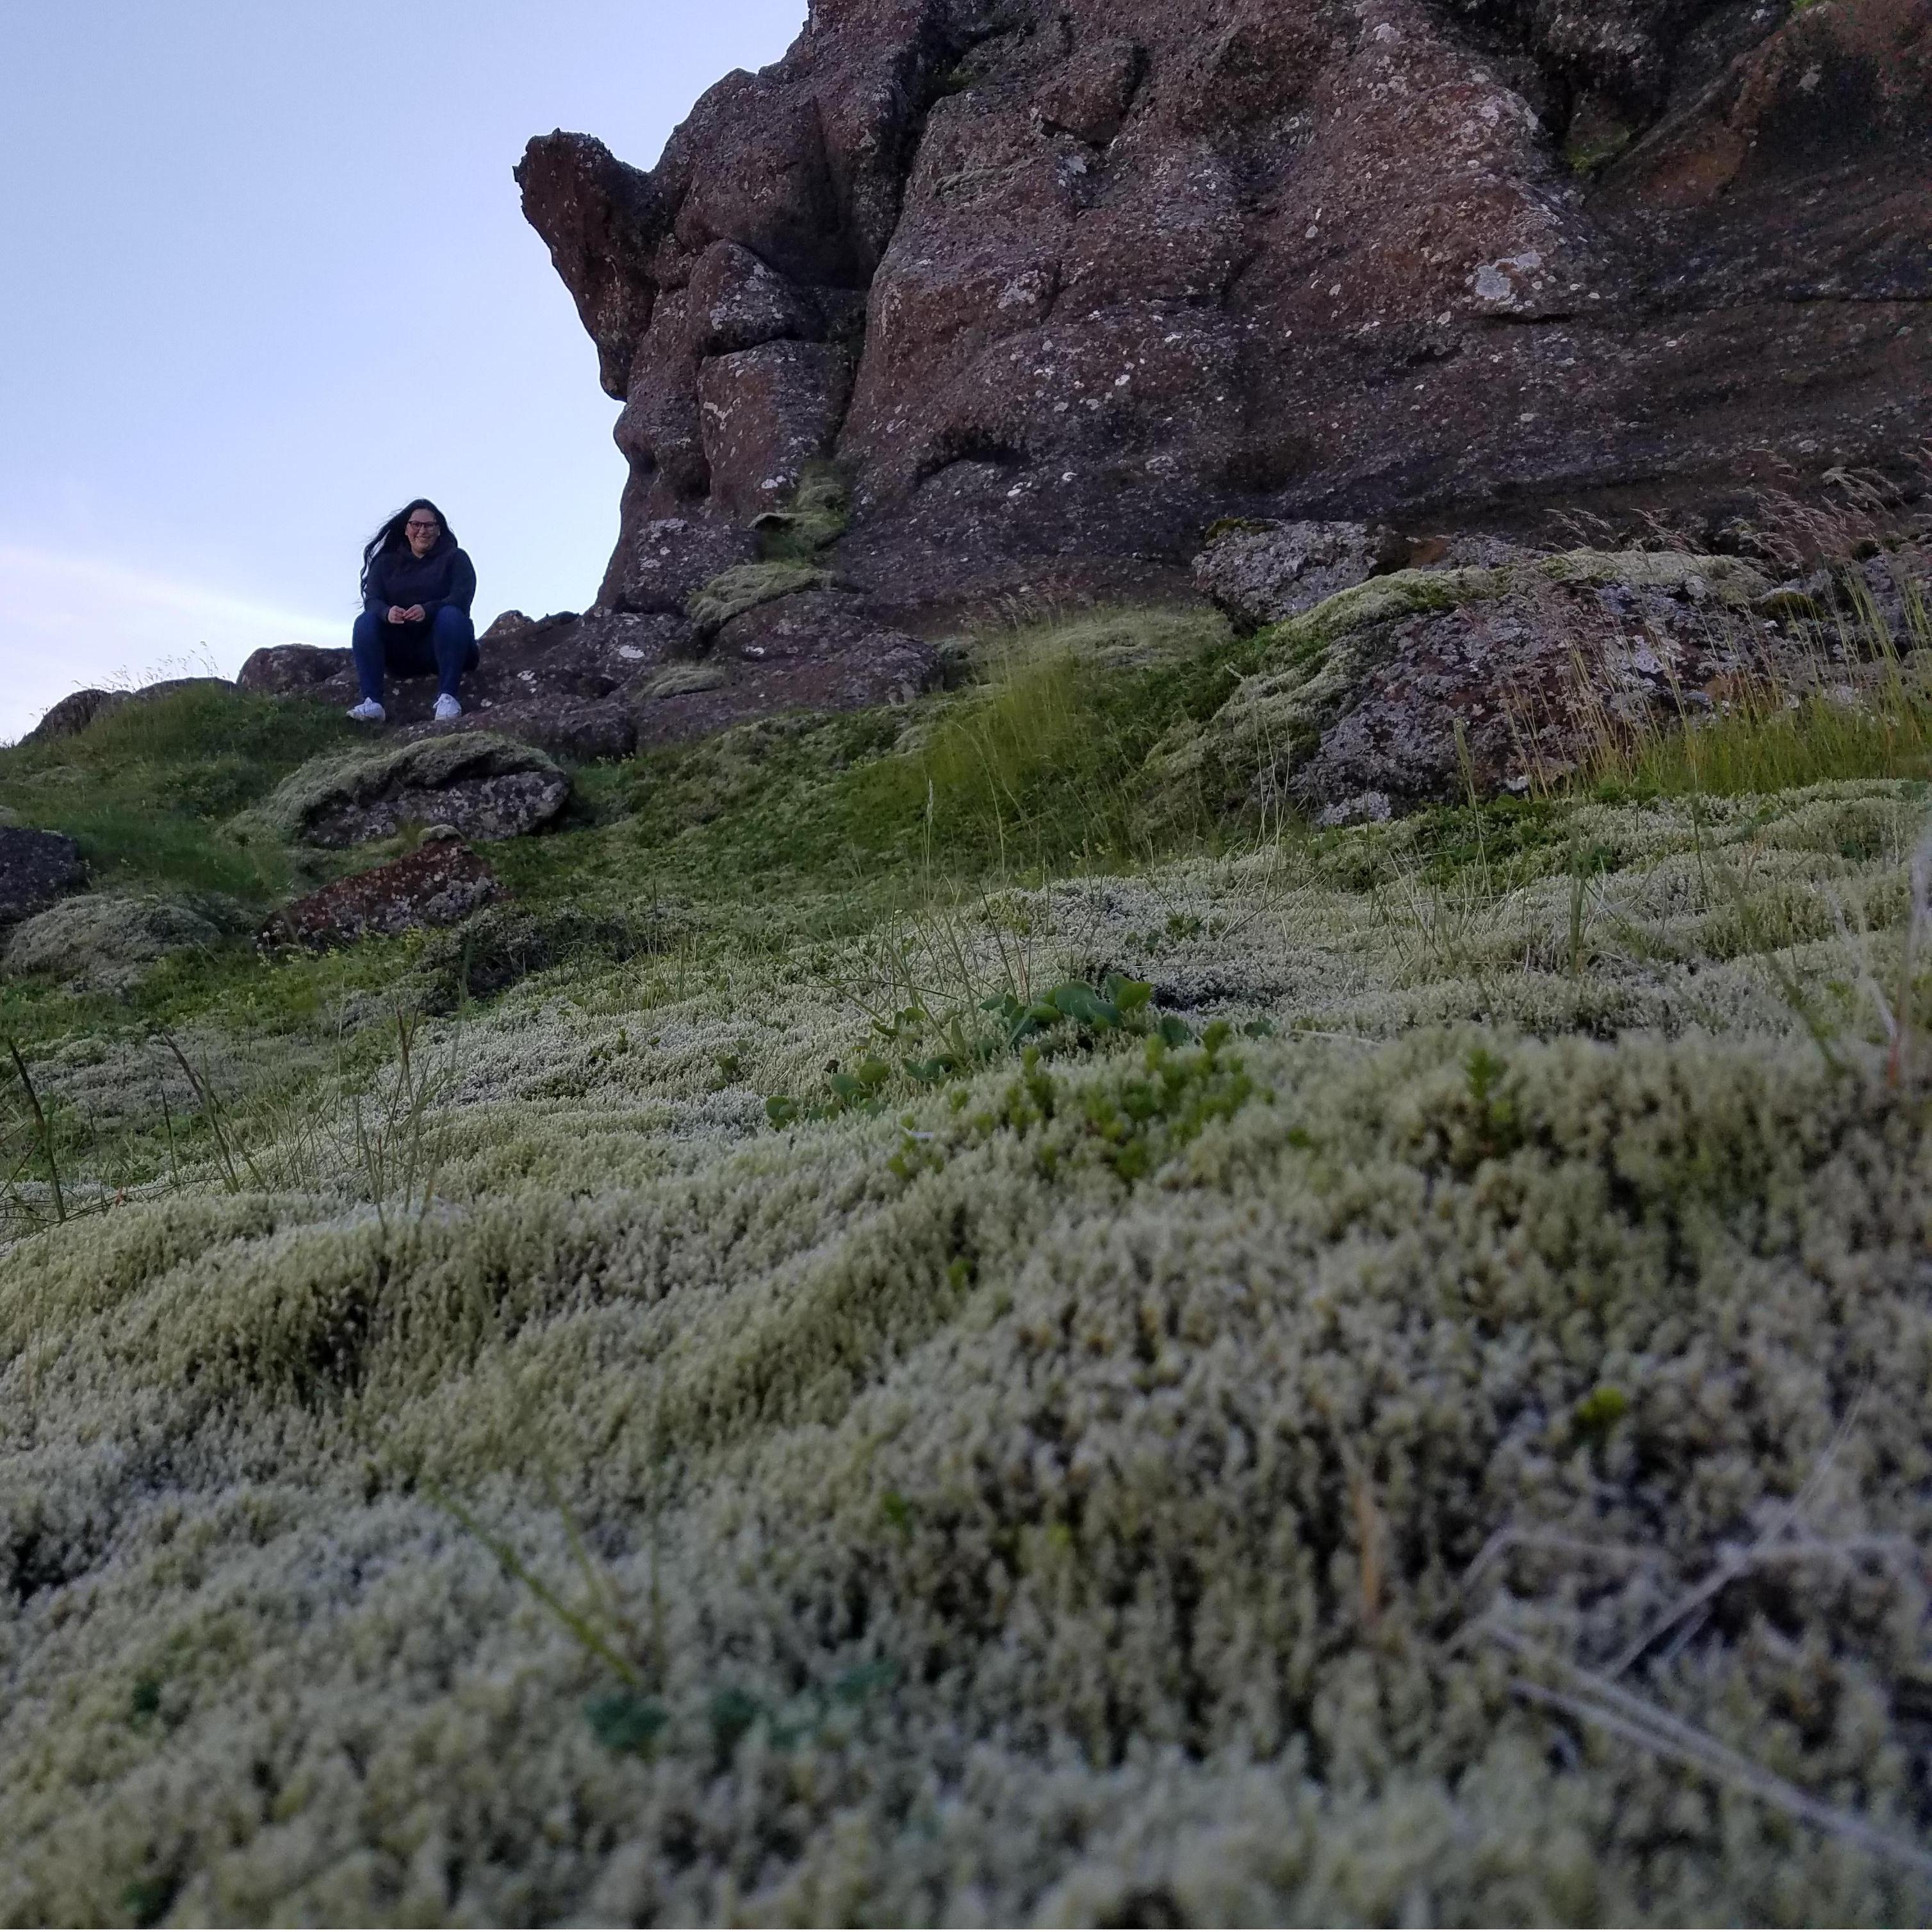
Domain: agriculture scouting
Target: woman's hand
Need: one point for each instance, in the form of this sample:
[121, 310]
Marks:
[414, 614]
[396, 614]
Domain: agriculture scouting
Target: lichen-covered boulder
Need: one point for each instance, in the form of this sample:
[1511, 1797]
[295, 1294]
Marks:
[1257, 573]
[1416, 686]
[485, 786]
[810, 650]
[283, 671]
[103, 942]
[439, 882]
[36, 868]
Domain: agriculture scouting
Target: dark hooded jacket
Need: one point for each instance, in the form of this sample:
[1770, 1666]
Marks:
[400, 577]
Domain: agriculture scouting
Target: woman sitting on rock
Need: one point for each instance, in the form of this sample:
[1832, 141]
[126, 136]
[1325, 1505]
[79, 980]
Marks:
[417, 587]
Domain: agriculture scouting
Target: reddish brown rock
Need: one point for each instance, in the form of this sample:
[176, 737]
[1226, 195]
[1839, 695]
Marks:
[734, 302]
[767, 412]
[439, 882]
[1127, 268]
[814, 651]
[1258, 573]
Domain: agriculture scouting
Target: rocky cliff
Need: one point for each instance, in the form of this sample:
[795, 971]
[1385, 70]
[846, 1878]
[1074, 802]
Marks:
[1055, 286]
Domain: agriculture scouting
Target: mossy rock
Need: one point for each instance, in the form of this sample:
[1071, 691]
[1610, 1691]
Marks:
[814, 519]
[732, 592]
[486, 786]
[682, 678]
[1312, 667]
[103, 942]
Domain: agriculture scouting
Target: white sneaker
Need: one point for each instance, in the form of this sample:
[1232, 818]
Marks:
[447, 708]
[368, 712]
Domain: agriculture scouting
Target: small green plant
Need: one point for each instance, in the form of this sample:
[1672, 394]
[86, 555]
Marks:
[1498, 1130]
[626, 1723]
[1596, 1417]
[1072, 1013]
[146, 1901]
[396, 1125]
[43, 1130]
[1130, 1121]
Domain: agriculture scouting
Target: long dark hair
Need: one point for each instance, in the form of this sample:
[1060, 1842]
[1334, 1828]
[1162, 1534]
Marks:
[391, 536]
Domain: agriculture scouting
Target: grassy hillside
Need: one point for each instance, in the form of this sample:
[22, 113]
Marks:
[897, 1338]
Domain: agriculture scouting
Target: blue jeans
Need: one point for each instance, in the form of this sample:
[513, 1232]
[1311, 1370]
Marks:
[445, 643]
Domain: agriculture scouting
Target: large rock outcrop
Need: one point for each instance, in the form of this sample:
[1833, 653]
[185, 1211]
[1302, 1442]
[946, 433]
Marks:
[1058, 285]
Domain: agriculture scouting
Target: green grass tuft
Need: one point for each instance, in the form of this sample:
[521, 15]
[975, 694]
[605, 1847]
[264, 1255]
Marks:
[146, 789]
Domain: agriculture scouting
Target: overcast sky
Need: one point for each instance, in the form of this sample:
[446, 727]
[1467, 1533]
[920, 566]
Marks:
[263, 278]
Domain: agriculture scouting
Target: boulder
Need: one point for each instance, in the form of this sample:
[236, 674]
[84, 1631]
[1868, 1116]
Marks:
[582, 730]
[1106, 272]
[513, 627]
[36, 869]
[103, 942]
[735, 301]
[485, 786]
[1256, 574]
[73, 714]
[282, 670]
[439, 882]
[767, 413]
[1413, 687]
[659, 561]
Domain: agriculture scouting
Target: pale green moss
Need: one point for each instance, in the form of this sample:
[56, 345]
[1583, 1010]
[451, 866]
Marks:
[998, 1528]
[732, 592]
[680, 679]
[1726, 581]
[815, 518]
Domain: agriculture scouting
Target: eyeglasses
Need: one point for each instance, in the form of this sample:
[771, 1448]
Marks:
[413, 525]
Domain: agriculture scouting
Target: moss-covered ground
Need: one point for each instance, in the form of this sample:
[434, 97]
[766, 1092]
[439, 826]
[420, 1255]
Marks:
[886, 1341]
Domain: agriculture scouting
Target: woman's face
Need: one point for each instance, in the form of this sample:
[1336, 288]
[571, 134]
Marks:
[422, 529]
